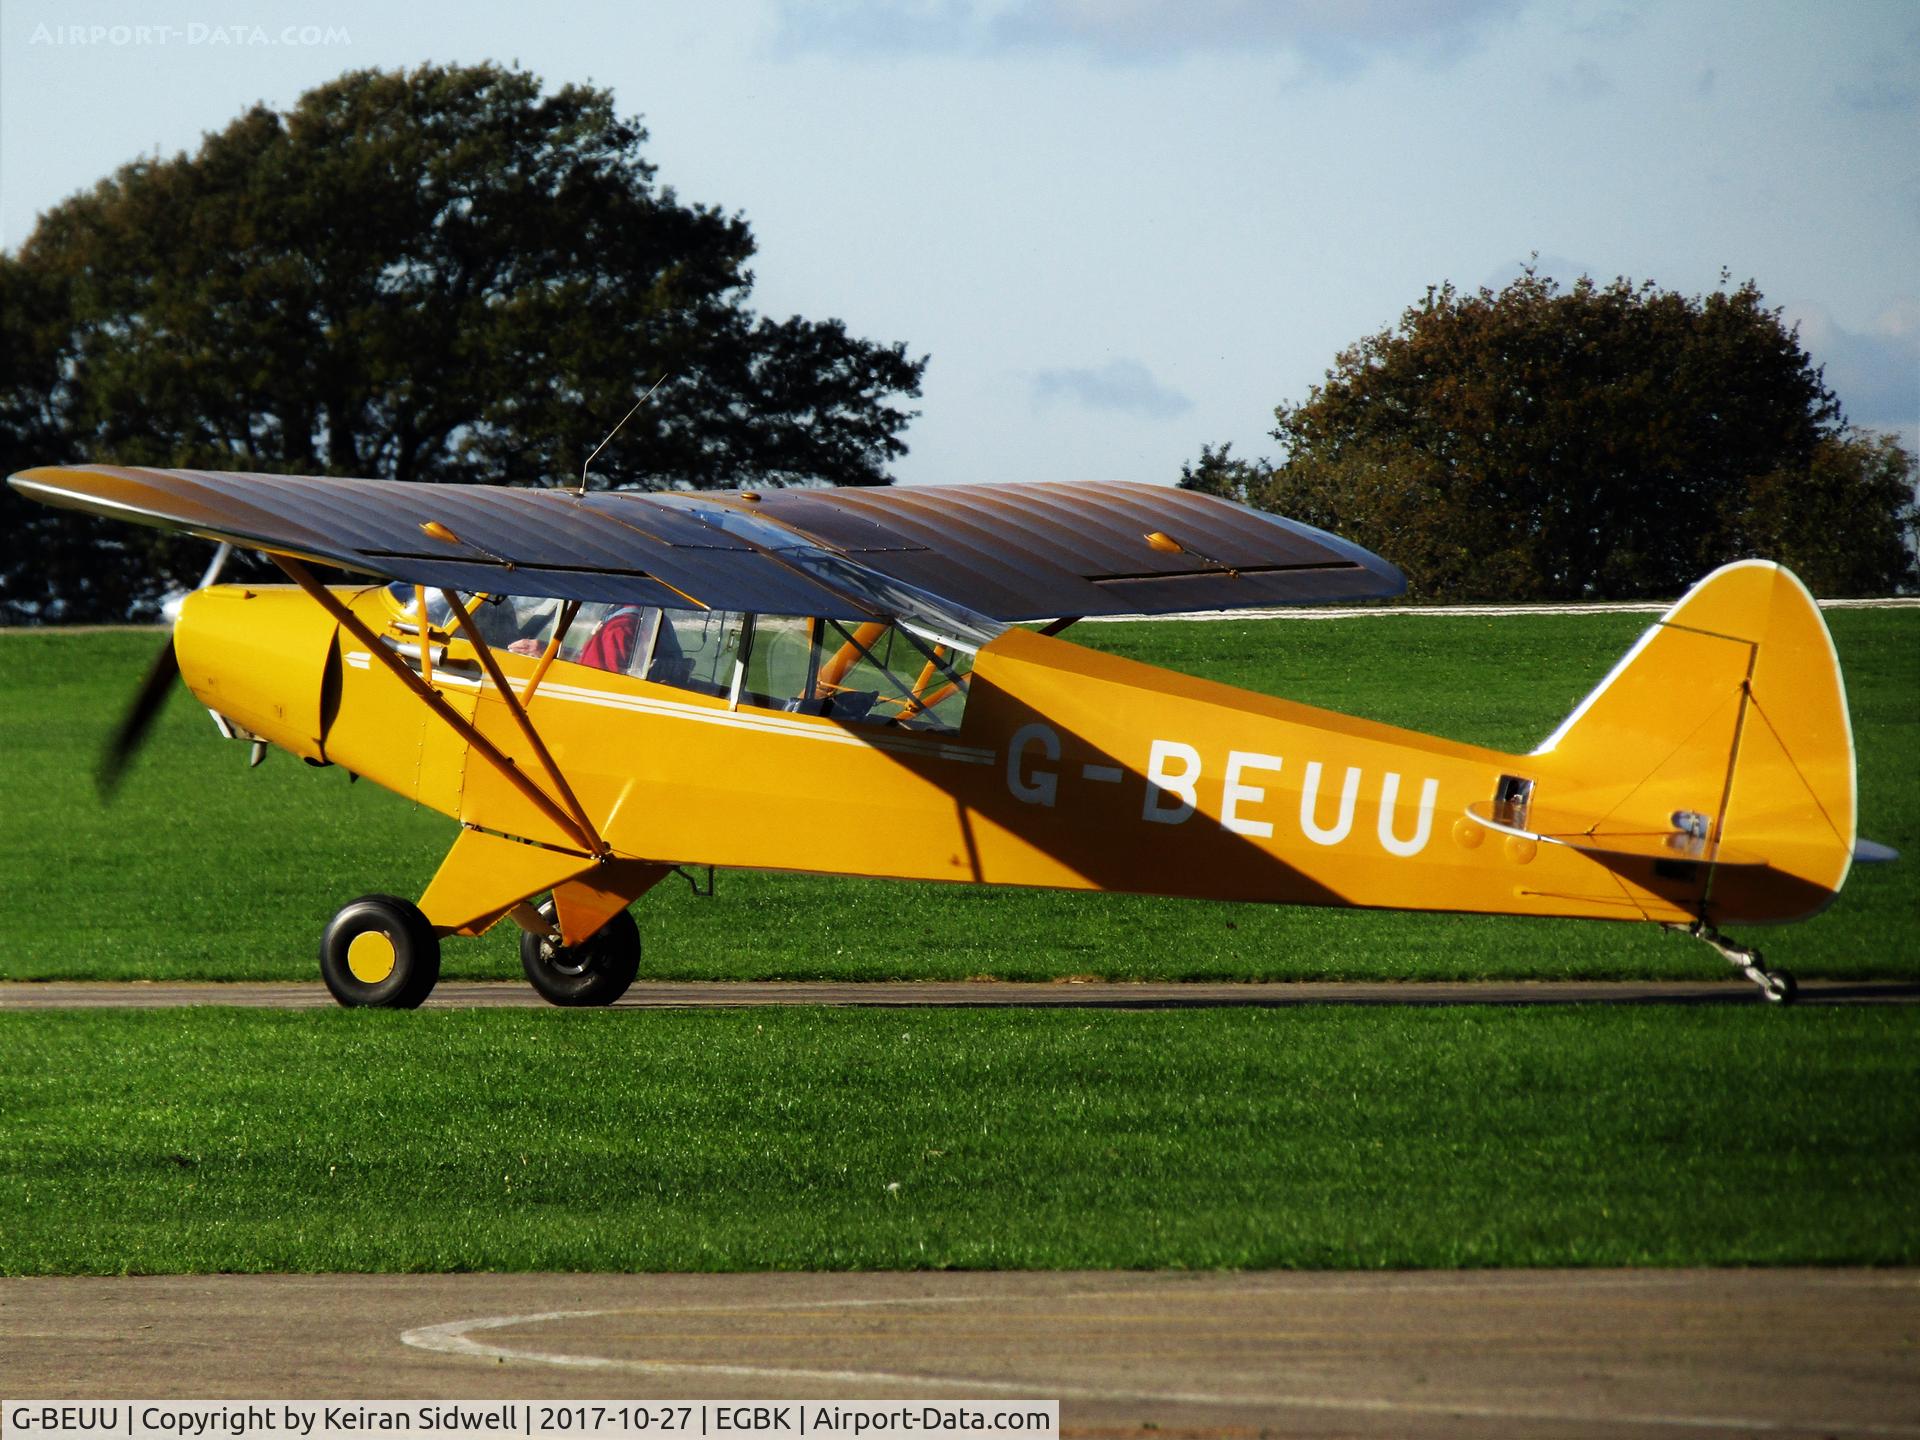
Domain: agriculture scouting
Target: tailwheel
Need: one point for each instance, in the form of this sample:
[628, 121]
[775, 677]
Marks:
[595, 972]
[1776, 986]
[379, 950]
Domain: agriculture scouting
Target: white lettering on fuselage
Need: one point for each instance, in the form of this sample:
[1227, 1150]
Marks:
[1309, 806]
[1039, 787]
[1389, 792]
[1164, 781]
[1175, 770]
[1238, 792]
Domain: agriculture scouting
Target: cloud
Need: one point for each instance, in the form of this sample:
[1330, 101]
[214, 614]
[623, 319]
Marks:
[1889, 84]
[932, 27]
[1329, 33]
[1583, 80]
[1881, 94]
[1876, 371]
[1123, 385]
[1337, 36]
[1619, 23]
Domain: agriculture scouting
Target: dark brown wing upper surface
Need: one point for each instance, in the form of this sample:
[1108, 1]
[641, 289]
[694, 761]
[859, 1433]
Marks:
[1001, 552]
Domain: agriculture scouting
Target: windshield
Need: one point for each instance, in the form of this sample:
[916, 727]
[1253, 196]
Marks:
[505, 622]
[439, 613]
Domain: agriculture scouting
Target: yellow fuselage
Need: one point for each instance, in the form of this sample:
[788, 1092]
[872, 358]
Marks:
[1071, 768]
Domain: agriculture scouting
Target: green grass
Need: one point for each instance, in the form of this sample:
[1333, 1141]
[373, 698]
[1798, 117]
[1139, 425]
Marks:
[227, 1140]
[207, 870]
[231, 1140]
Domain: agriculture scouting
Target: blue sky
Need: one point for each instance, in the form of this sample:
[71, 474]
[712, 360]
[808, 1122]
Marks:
[1124, 229]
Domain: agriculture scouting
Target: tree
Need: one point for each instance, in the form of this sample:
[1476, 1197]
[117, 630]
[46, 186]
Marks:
[440, 275]
[1846, 525]
[1613, 440]
[1220, 473]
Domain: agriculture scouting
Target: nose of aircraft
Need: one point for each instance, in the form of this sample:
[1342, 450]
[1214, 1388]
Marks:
[260, 656]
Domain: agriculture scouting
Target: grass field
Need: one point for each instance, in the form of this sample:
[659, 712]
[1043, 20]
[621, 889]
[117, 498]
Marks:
[204, 1140]
[207, 870]
[222, 1140]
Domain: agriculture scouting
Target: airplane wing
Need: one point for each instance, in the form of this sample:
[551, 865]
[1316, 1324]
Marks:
[972, 553]
[1028, 552]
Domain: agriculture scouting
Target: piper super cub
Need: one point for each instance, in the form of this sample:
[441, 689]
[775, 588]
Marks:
[602, 687]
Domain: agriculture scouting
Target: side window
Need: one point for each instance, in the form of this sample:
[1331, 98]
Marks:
[880, 673]
[690, 649]
[872, 673]
[608, 636]
[708, 641]
[503, 620]
[781, 661]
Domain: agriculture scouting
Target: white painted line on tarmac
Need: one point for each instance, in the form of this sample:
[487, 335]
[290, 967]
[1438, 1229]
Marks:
[456, 1338]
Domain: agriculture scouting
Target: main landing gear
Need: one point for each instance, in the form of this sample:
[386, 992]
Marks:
[1776, 985]
[380, 951]
[595, 972]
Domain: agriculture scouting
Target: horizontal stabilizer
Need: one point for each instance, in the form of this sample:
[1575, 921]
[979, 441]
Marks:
[1596, 839]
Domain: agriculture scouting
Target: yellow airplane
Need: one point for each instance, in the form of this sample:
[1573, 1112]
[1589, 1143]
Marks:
[603, 687]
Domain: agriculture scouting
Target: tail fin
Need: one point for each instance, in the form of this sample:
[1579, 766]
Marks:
[1721, 745]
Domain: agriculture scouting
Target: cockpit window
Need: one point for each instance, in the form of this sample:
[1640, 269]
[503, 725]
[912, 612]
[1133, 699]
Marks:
[608, 637]
[692, 649]
[872, 673]
[888, 674]
[860, 672]
[501, 619]
[782, 663]
[439, 613]
[507, 621]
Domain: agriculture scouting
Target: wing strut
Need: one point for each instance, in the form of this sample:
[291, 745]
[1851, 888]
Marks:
[586, 839]
[531, 735]
[425, 633]
[567, 612]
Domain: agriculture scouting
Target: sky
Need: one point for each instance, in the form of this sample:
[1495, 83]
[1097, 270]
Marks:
[1122, 229]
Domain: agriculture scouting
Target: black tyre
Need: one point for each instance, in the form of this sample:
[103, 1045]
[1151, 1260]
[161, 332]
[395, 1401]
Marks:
[379, 950]
[595, 972]
[1780, 987]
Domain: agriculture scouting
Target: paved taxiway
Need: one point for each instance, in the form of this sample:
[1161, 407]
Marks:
[1432, 1354]
[681, 994]
[1492, 1353]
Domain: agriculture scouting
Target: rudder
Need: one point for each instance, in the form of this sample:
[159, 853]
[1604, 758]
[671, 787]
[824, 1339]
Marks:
[1727, 718]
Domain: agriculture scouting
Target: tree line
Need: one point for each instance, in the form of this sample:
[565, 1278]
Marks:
[1602, 441]
[446, 274]
[455, 274]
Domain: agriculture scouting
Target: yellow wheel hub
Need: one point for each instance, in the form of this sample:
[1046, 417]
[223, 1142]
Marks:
[371, 957]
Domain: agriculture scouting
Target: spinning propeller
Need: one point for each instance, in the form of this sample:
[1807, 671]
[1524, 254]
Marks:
[151, 697]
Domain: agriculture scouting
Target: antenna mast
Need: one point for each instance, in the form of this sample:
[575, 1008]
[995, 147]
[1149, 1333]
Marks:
[615, 431]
